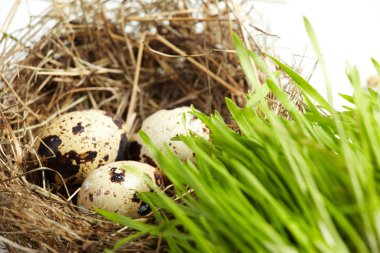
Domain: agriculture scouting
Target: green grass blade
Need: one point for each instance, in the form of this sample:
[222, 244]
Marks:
[321, 61]
[376, 65]
[245, 62]
[304, 85]
[125, 221]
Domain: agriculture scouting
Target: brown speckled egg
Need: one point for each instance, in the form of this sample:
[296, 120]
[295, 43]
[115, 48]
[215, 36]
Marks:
[114, 187]
[78, 142]
[161, 127]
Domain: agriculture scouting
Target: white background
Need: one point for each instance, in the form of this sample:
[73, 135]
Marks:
[25, 9]
[346, 30]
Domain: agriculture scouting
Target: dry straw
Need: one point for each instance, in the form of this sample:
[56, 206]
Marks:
[127, 57]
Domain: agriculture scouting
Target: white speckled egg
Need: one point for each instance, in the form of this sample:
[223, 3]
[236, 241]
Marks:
[114, 187]
[161, 127]
[76, 143]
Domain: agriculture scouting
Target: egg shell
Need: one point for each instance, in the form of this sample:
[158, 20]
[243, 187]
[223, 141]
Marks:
[114, 187]
[76, 143]
[161, 127]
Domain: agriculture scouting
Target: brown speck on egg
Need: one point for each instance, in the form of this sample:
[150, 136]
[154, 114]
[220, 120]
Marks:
[65, 164]
[206, 130]
[88, 156]
[135, 198]
[49, 146]
[144, 209]
[193, 118]
[158, 178]
[91, 197]
[117, 177]
[78, 128]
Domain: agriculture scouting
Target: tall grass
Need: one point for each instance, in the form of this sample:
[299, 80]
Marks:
[306, 185]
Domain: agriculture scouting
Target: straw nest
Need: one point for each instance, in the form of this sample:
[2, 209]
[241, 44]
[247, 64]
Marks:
[131, 58]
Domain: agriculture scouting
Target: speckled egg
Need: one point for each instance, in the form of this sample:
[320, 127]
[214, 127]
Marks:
[78, 142]
[114, 187]
[161, 127]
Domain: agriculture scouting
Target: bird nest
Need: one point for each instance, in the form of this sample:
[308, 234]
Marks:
[130, 58]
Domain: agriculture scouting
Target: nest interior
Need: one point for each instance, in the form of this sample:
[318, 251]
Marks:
[130, 58]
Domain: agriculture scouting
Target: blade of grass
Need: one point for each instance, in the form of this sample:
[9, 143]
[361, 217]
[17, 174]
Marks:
[321, 60]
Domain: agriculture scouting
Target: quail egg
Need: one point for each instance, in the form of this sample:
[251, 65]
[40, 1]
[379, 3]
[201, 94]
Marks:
[161, 127]
[114, 187]
[78, 142]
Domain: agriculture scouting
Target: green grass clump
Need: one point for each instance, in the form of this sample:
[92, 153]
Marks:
[305, 185]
